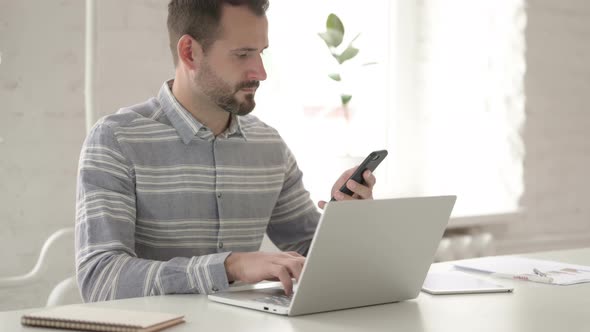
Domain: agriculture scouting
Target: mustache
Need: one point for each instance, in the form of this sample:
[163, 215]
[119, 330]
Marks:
[248, 84]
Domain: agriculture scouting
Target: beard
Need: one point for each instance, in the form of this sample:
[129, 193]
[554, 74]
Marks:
[223, 94]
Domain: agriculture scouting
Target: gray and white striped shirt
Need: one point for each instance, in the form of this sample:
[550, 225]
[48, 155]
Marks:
[161, 202]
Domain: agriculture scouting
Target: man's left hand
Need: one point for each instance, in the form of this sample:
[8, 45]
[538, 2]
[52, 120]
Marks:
[360, 191]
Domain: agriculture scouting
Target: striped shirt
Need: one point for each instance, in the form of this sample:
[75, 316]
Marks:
[162, 202]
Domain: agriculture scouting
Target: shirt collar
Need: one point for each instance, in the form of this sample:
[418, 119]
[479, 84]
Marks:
[235, 127]
[185, 124]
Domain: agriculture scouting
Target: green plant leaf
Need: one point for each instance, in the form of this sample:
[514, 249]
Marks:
[332, 37]
[345, 99]
[335, 77]
[349, 53]
[334, 23]
[334, 31]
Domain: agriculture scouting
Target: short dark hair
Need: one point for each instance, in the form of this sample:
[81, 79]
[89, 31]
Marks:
[200, 19]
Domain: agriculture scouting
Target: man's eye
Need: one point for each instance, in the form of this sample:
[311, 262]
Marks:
[242, 55]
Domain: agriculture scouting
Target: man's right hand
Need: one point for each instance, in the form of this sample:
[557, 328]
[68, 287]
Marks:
[253, 267]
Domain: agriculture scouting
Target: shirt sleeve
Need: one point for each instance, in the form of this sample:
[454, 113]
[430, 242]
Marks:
[294, 218]
[107, 266]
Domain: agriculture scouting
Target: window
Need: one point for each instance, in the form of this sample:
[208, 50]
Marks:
[445, 97]
[301, 101]
[471, 101]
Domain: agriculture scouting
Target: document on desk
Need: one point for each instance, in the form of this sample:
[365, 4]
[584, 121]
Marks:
[521, 268]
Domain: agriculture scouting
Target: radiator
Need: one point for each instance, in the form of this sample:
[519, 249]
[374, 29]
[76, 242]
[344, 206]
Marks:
[462, 246]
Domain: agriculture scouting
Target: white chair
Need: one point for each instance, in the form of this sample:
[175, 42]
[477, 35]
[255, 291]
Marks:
[66, 291]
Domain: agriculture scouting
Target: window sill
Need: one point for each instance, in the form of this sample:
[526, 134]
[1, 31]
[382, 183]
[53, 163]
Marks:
[485, 220]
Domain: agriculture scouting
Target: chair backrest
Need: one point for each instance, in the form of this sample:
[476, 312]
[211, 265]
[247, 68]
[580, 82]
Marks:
[66, 291]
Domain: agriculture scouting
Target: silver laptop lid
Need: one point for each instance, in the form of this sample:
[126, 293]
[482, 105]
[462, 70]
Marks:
[369, 252]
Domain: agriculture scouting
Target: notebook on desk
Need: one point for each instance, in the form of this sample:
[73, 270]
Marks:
[364, 252]
[87, 318]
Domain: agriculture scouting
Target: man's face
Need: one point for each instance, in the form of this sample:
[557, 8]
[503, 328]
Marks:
[232, 68]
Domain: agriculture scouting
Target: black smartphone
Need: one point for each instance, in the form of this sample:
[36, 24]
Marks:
[370, 163]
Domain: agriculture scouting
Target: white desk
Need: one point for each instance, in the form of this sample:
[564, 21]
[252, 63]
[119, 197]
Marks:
[532, 307]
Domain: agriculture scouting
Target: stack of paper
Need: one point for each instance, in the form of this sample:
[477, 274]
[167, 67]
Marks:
[528, 269]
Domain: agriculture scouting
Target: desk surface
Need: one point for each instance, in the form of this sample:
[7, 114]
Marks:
[532, 307]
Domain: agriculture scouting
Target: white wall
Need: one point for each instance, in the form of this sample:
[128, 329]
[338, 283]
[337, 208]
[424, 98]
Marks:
[133, 58]
[41, 130]
[42, 120]
[556, 201]
[42, 115]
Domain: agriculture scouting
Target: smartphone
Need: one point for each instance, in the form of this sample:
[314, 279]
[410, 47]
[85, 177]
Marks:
[370, 163]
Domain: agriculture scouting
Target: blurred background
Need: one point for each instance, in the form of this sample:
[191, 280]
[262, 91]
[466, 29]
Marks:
[487, 100]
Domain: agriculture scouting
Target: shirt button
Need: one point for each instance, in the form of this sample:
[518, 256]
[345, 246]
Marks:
[214, 289]
[219, 195]
[220, 245]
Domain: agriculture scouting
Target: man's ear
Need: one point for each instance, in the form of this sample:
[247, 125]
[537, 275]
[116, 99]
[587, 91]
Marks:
[189, 52]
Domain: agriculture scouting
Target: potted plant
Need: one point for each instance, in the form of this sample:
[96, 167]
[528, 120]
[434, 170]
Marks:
[333, 37]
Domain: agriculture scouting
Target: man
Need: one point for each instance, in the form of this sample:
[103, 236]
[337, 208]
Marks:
[175, 194]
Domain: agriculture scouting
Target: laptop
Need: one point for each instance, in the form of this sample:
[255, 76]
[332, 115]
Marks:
[364, 252]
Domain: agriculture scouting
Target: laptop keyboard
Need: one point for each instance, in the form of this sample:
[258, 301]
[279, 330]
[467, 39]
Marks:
[281, 300]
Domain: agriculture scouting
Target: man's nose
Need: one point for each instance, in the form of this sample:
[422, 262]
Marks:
[257, 71]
